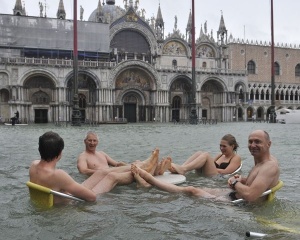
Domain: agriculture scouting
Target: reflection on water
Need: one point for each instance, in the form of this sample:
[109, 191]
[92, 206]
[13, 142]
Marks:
[130, 213]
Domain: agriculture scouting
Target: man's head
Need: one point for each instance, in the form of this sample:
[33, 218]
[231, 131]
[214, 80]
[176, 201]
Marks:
[259, 143]
[91, 141]
[50, 146]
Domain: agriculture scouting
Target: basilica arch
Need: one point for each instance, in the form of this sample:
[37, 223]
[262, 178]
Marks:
[39, 89]
[180, 97]
[134, 88]
[87, 94]
[213, 97]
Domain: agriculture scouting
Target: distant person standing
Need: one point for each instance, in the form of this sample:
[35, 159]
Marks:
[17, 114]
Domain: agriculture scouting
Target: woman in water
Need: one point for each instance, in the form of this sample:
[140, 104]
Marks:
[225, 162]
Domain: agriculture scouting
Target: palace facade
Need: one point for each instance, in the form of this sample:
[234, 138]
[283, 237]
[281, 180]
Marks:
[129, 68]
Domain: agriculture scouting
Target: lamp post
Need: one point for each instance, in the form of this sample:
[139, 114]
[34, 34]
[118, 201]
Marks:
[75, 112]
[193, 114]
[272, 109]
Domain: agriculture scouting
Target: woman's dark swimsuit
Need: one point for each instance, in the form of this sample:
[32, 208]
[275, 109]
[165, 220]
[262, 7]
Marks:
[223, 165]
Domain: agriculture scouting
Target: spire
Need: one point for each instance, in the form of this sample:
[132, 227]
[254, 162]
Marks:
[159, 24]
[159, 19]
[61, 13]
[188, 30]
[18, 10]
[222, 32]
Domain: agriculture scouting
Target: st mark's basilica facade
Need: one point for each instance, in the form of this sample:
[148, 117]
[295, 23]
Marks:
[130, 68]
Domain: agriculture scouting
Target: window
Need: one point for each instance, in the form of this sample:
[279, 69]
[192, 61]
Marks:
[276, 69]
[204, 64]
[40, 97]
[251, 67]
[297, 70]
[174, 63]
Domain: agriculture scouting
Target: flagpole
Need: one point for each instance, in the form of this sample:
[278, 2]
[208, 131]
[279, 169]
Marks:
[193, 114]
[76, 116]
[272, 109]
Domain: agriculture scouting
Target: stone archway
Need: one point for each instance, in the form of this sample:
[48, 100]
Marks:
[212, 99]
[131, 105]
[134, 91]
[180, 94]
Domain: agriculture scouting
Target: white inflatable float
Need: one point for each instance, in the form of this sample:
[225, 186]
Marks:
[171, 178]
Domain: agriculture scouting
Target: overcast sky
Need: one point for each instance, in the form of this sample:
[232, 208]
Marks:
[249, 19]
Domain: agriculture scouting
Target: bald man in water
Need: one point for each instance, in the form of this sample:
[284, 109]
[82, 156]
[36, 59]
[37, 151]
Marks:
[263, 176]
[91, 160]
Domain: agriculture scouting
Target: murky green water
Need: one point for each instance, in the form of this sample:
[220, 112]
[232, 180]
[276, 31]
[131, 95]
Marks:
[128, 213]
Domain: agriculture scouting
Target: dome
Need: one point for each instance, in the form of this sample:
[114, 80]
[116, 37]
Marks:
[112, 11]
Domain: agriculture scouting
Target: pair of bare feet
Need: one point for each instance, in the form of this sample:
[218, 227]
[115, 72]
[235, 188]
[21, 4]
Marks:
[152, 166]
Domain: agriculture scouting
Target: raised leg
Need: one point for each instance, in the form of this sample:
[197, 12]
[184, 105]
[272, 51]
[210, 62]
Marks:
[201, 162]
[168, 186]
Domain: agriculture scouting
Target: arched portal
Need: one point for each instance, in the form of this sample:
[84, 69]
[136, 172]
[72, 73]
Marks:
[134, 90]
[40, 90]
[212, 99]
[180, 97]
[131, 102]
[87, 93]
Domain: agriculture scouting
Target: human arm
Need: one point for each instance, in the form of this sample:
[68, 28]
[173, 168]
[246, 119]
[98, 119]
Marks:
[65, 183]
[257, 182]
[112, 162]
[234, 164]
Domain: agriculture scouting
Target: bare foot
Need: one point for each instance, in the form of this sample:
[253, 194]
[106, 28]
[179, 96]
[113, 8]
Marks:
[150, 164]
[175, 168]
[164, 165]
[158, 167]
[140, 182]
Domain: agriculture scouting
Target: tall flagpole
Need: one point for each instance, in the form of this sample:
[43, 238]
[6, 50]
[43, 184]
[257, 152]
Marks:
[75, 112]
[193, 114]
[272, 109]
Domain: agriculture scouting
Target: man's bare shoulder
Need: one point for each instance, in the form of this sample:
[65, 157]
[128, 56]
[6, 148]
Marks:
[272, 163]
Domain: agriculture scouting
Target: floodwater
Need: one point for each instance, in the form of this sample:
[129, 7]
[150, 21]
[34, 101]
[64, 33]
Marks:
[130, 213]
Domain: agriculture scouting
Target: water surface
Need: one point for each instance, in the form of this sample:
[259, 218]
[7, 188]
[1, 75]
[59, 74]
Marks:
[130, 213]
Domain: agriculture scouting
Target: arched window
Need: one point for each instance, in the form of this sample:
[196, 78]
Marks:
[204, 64]
[4, 95]
[267, 95]
[292, 96]
[276, 69]
[241, 95]
[287, 95]
[262, 95]
[40, 97]
[277, 95]
[251, 94]
[251, 67]
[297, 70]
[282, 95]
[257, 94]
[174, 63]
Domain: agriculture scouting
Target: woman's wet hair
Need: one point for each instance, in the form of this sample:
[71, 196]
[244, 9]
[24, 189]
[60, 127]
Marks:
[50, 146]
[231, 141]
